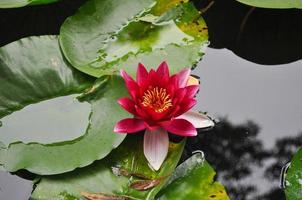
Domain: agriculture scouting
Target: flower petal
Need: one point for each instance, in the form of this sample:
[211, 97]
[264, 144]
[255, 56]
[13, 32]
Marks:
[127, 104]
[192, 90]
[129, 125]
[163, 70]
[156, 146]
[185, 106]
[198, 120]
[141, 74]
[180, 127]
[183, 77]
[131, 85]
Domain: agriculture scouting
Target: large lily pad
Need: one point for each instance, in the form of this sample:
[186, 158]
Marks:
[273, 3]
[121, 36]
[101, 177]
[21, 3]
[193, 180]
[49, 121]
[33, 70]
[98, 141]
[293, 178]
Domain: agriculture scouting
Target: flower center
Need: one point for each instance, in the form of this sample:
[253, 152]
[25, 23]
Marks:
[157, 98]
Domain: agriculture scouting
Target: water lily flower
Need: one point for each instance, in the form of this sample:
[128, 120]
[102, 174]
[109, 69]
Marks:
[160, 103]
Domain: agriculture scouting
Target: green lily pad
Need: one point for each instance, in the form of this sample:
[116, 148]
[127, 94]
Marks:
[193, 180]
[119, 40]
[37, 90]
[98, 141]
[293, 178]
[273, 3]
[21, 3]
[101, 177]
[34, 69]
[49, 121]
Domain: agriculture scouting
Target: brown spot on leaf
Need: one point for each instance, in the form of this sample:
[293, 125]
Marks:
[145, 184]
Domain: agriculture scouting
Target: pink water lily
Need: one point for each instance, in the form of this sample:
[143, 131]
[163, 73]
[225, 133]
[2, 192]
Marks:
[160, 103]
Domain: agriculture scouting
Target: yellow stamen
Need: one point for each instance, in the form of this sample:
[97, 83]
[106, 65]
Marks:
[157, 98]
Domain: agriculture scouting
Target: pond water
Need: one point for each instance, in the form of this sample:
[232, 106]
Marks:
[259, 106]
[260, 114]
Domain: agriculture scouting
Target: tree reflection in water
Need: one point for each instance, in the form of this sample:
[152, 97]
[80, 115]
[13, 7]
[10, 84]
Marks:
[236, 153]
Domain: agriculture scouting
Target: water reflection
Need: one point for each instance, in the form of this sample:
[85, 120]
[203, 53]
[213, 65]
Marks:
[237, 154]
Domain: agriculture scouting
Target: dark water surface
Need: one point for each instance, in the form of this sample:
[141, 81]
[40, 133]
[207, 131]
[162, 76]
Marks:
[259, 106]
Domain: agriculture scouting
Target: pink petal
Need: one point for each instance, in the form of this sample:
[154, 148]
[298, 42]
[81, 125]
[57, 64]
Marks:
[192, 90]
[185, 106]
[156, 146]
[198, 120]
[129, 125]
[180, 127]
[163, 70]
[141, 113]
[125, 76]
[142, 74]
[183, 77]
[127, 104]
[130, 84]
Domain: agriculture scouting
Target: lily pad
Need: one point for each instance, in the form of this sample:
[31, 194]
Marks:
[193, 180]
[98, 141]
[273, 3]
[294, 178]
[21, 3]
[102, 176]
[50, 121]
[34, 69]
[118, 38]
[30, 81]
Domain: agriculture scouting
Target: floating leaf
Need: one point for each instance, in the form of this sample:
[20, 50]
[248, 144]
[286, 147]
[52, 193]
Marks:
[273, 3]
[21, 3]
[193, 180]
[32, 71]
[293, 189]
[124, 35]
[99, 178]
[66, 156]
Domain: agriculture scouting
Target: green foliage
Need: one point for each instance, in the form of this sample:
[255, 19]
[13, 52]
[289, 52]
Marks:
[101, 177]
[44, 74]
[21, 3]
[273, 3]
[29, 76]
[193, 180]
[294, 178]
[105, 36]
